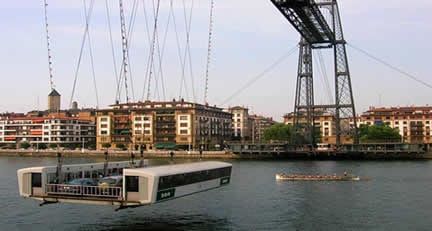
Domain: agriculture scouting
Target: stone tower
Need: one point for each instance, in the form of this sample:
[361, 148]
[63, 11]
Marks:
[53, 101]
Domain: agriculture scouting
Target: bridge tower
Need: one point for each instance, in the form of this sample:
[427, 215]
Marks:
[318, 33]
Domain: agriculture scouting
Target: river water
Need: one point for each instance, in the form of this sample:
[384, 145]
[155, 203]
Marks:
[397, 198]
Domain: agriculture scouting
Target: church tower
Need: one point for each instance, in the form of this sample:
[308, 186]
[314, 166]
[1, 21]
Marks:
[54, 101]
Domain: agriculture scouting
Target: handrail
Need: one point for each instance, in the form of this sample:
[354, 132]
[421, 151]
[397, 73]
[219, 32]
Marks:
[81, 190]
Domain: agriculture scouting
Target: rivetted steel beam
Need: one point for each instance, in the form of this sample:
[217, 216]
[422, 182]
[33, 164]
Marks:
[307, 19]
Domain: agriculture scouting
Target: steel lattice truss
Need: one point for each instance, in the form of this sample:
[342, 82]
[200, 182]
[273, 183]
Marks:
[307, 18]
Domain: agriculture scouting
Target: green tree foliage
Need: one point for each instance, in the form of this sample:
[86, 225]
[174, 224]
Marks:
[303, 138]
[106, 145]
[24, 145]
[378, 133]
[52, 146]
[41, 146]
[277, 132]
[91, 146]
[121, 146]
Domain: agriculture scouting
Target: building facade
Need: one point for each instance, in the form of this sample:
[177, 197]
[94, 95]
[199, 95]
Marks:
[324, 122]
[241, 125]
[413, 123]
[163, 125]
[258, 125]
[52, 131]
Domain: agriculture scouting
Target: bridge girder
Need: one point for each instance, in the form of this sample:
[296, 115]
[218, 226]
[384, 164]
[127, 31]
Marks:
[308, 20]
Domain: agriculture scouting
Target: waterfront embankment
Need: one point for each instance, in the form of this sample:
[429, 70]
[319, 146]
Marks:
[119, 154]
[218, 154]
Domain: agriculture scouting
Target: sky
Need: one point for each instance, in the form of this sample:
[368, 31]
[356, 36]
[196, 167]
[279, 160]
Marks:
[249, 37]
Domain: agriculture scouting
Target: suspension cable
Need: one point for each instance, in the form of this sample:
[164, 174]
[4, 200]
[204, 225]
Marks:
[112, 50]
[391, 66]
[91, 52]
[88, 17]
[209, 46]
[324, 75]
[149, 41]
[263, 73]
[179, 52]
[124, 48]
[161, 52]
[156, 14]
[149, 68]
[50, 69]
[130, 31]
[187, 52]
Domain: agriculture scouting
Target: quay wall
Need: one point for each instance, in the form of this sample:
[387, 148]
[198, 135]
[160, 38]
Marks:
[118, 154]
[221, 154]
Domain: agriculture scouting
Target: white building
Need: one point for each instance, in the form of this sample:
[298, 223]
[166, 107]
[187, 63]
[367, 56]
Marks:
[240, 122]
[61, 131]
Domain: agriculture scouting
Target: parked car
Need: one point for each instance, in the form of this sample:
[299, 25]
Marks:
[111, 181]
[110, 185]
[75, 186]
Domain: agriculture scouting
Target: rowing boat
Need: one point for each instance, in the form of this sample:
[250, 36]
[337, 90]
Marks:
[301, 177]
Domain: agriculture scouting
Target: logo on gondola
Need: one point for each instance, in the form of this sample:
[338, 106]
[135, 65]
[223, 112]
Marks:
[165, 194]
[224, 180]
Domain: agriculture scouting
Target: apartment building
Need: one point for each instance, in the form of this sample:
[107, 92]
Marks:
[241, 125]
[325, 123]
[258, 125]
[163, 125]
[413, 123]
[49, 130]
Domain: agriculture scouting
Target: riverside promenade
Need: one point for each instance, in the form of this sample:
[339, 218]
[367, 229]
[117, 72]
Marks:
[216, 154]
[119, 154]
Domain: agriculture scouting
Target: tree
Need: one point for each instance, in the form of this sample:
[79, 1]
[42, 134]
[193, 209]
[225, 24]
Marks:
[378, 133]
[92, 146]
[121, 146]
[24, 145]
[41, 146]
[278, 132]
[52, 145]
[106, 145]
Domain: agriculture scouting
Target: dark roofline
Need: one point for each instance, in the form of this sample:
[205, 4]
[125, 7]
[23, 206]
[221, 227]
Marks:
[54, 93]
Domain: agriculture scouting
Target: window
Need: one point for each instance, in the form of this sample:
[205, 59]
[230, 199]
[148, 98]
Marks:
[132, 184]
[171, 181]
[183, 131]
[36, 180]
[104, 125]
[183, 117]
[104, 132]
[183, 124]
[138, 118]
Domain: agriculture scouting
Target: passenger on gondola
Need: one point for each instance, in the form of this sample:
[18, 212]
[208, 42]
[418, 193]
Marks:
[172, 155]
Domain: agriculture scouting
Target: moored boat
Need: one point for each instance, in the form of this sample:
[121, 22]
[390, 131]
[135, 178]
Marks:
[302, 177]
